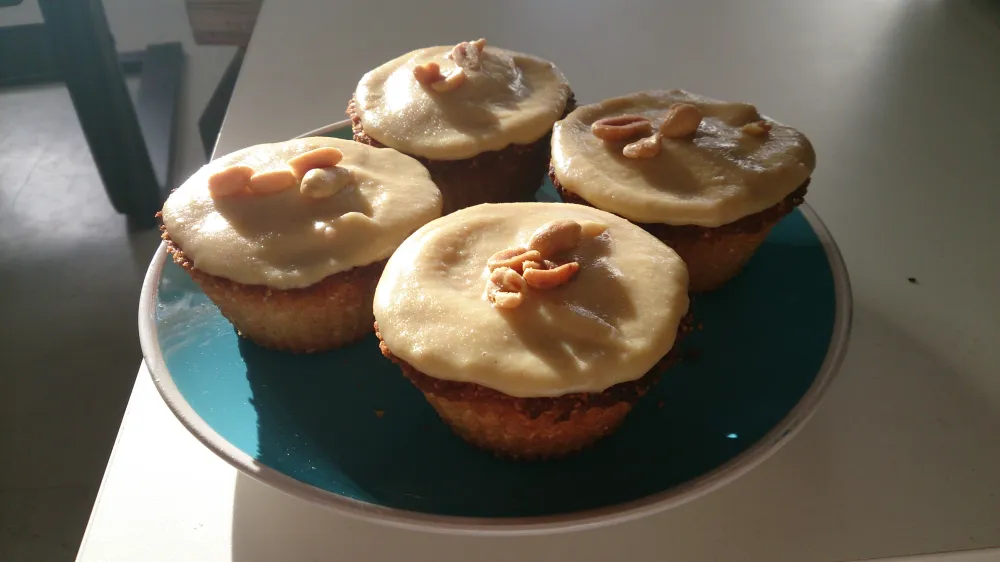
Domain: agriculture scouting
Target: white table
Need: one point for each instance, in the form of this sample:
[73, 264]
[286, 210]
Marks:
[900, 99]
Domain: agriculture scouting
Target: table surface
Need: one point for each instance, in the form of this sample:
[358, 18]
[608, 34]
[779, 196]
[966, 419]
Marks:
[900, 100]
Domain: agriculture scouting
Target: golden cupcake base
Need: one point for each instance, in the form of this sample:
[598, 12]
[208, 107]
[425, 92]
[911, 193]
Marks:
[531, 428]
[713, 260]
[507, 432]
[713, 255]
[332, 313]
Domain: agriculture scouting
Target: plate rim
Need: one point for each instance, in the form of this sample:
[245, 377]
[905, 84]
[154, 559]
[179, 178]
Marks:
[687, 491]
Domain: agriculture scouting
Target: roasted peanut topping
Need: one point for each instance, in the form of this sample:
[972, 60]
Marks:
[506, 288]
[468, 54]
[315, 170]
[325, 182]
[682, 120]
[234, 180]
[757, 128]
[538, 278]
[514, 270]
[450, 81]
[532, 264]
[324, 157]
[513, 258]
[621, 128]
[273, 181]
[592, 229]
[555, 237]
[643, 148]
[627, 128]
[429, 74]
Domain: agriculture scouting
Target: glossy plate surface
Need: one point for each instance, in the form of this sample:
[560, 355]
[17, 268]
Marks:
[345, 429]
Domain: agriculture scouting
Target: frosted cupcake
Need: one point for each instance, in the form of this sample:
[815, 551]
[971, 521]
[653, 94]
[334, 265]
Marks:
[289, 239]
[532, 328]
[479, 117]
[709, 178]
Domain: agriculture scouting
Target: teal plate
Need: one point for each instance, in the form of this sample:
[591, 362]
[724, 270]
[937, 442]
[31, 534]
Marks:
[347, 430]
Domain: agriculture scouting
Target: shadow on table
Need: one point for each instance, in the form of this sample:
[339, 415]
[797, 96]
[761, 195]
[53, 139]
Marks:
[752, 514]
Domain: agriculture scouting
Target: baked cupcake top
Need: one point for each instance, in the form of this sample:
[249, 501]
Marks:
[454, 102]
[597, 302]
[678, 158]
[288, 214]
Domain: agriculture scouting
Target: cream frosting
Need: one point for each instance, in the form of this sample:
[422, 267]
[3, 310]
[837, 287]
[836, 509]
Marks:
[715, 177]
[288, 239]
[611, 323]
[513, 98]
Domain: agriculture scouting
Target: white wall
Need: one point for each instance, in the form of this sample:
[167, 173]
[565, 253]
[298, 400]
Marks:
[27, 12]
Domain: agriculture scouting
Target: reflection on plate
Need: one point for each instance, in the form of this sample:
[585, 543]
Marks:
[345, 429]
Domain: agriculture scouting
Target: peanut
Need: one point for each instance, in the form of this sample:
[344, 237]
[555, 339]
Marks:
[513, 258]
[682, 120]
[272, 181]
[757, 128]
[643, 148]
[229, 181]
[503, 299]
[325, 182]
[427, 73]
[550, 278]
[452, 80]
[505, 288]
[324, 157]
[508, 280]
[467, 55]
[555, 237]
[544, 264]
[592, 229]
[621, 127]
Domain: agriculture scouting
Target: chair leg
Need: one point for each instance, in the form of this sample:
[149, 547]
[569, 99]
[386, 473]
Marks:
[84, 51]
[27, 56]
[210, 122]
[156, 107]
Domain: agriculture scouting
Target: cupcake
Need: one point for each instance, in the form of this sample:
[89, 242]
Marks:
[289, 239]
[478, 117]
[709, 178]
[532, 328]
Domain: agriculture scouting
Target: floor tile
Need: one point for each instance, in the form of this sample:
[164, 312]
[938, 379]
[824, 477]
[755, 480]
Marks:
[70, 273]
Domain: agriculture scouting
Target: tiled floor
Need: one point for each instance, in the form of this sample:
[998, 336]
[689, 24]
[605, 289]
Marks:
[70, 273]
[69, 277]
